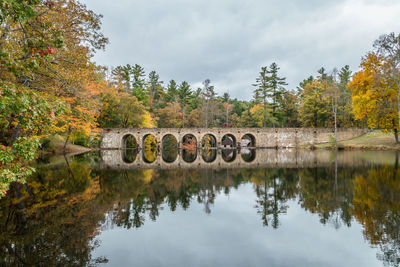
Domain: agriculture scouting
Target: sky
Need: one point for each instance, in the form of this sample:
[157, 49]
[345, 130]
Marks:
[228, 41]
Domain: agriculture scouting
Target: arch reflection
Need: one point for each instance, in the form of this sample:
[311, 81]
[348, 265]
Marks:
[129, 155]
[189, 155]
[228, 155]
[248, 155]
[170, 148]
[150, 148]
[209, 155]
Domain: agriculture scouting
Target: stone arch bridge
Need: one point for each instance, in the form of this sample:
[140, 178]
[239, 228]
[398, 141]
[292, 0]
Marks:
[260, 137]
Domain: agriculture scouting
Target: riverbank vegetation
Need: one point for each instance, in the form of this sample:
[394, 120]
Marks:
[50, 86]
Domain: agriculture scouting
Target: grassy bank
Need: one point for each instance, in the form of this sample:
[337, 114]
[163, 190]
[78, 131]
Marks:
[375, 140]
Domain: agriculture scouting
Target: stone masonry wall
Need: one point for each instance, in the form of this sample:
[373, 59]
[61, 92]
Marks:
[264, 137]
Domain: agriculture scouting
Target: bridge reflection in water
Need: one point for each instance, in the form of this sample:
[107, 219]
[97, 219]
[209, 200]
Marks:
[224, 158]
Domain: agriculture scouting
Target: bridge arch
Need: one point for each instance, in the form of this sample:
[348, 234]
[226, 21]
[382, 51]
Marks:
[189, 141]
[209, 141]
[128, 141]
[149, 145]
[169, 145]
[248, 140]
[228, 140]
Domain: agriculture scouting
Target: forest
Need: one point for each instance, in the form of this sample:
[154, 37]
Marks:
[51, 89]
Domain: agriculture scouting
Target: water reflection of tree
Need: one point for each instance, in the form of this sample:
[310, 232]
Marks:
[207, 194]
[327, 192]
[377, 208]
[273, 188]
[54, 219]
[51, 221]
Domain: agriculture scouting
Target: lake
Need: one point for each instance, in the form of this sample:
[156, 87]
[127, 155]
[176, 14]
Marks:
[206, 208]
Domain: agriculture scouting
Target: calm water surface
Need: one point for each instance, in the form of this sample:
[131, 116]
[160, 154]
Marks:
[215, 208]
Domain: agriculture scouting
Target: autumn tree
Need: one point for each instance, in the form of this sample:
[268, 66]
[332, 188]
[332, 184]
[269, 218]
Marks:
[314, 109]
[289, 102]
[170, 116]
[388, 47]
[123, 111]
[375, 100]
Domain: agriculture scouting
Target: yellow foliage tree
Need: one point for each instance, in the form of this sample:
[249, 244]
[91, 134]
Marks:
[257, 112]
[374, 98]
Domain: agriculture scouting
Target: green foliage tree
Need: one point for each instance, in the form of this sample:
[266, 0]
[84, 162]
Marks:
[345, 112]
[123, 74]
[172, 92]
[139, 83]
[289, 103]
[262, 92]
[388, 47]
[270, 86]
[184, 93]
[155, 87]
[121, 111]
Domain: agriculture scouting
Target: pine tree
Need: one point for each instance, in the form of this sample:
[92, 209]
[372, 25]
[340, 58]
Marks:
[276, 84]
[184, 93]
[172, 92]
[138, 83]
[262, 92]
[155, 86]
[269, 86]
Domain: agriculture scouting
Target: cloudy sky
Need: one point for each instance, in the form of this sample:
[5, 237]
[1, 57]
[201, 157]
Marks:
[229, 41]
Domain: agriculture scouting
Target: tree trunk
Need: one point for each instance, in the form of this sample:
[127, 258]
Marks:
[183, 116]
[398, 109]
[66, 140]
[15, 134]
[265, 110]
[396, 136]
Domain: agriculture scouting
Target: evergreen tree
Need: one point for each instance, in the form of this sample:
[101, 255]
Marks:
[184, 93]
[262, 92]
[346, 118]
[276, 84]
[208, 99]
[155, 86]
[139, 83]
[269, 86]
[172, 92]
[123, 74]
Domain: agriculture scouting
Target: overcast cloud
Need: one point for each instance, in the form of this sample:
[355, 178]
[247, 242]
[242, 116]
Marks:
[228, 41]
